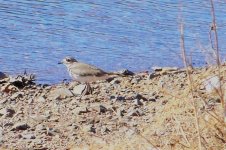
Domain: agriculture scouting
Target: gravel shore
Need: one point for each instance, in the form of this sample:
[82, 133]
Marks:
[140, 111]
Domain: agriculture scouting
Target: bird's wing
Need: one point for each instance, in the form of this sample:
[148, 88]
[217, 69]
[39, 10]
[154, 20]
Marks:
[83, 69]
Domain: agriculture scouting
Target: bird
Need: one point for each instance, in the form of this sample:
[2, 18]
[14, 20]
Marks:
[84, 73]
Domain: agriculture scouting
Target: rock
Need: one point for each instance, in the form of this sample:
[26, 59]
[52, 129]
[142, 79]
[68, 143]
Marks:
[17, 95]
[136, 80]
[156, 68]
[52, 131]
[126, 72]
[102, 109]
[40, 127]
[88, 128]
[112, 97]
[30, 101]
[80, 110]
[20, 126]
[137, 102]
[139, 97]
[7, 112]
[3, 101]
[120, 112]
[41, 99]
[60, 93]
[152, 99]
[104, 130]
[152, 75]
[135, 112]
[115, 81]
[120, 98]
[79, 89]
[28, 136]
[117, 98]
[211, 83]
[3, 75]
[164, 69]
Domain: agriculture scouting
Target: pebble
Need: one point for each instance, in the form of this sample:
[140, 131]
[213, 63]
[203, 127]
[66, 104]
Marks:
[136, 112]
[139, 97]
[211, 83]
[60, 93]
[20, 126]
[28, 136]
[17, 95]
[41, 99]
[103, 109]
[79, 89]
[126, 72]
[7, 112]
[137, 102]
[80, 110]
[2, 75]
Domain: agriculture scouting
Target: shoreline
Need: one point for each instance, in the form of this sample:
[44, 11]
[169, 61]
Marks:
[149, 110]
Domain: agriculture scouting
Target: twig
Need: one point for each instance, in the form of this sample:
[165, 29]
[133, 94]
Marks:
[190, 82]
[214, 29]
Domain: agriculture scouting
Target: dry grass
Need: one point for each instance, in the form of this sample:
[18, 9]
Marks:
[189, 119]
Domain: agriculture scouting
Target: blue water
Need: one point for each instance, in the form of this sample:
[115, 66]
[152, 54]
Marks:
[111, 34]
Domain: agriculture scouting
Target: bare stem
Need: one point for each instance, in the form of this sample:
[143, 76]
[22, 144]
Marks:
[190, 82]
[216, 49]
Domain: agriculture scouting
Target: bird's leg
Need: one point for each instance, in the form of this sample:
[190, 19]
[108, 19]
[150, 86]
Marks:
[87, 90]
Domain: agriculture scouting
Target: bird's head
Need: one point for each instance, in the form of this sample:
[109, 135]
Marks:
[68, 60]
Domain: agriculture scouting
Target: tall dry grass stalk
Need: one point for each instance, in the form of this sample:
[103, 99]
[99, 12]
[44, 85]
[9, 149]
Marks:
[215, 47]
[190, 82]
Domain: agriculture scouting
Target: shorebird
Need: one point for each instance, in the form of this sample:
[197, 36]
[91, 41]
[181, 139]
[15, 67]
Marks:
[84, 73]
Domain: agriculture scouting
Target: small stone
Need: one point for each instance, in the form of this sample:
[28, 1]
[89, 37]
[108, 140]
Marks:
[52, 131]
[152, 99]
[7, 112]
[28, 136]
[139, 97]
[112, 97]
[40, 127]
[136, 112]
[3, 75]
[104, 130]
[136, 80]
[211, 83]
[60, 93]
[152, 75]
[16, 95]
[20, 126]
[41, 99]
[30, 101]
[102, 109]
[79, 89]
[88, 128]
[80, 110]
[138, 102]
[126, 72]
[54, 119]
[3, 101]
[120, 98]
[115, 81]
[120, 112]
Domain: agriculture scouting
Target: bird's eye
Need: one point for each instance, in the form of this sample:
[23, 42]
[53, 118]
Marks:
[67, 59]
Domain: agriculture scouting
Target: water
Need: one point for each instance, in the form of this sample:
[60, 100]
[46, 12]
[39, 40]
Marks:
[113, 35]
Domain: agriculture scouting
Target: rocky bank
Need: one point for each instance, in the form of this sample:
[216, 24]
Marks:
[141, 111]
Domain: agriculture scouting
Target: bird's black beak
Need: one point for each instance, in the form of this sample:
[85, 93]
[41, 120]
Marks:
[60, 62]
